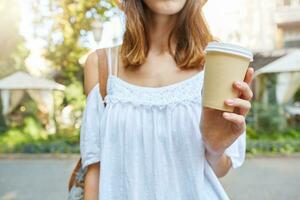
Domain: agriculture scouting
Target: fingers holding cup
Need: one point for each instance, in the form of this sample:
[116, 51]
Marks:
[244, 90]
[243, 106]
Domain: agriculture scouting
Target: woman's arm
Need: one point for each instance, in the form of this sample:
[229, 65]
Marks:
[220, 164]
[221, 129]
[91, 181]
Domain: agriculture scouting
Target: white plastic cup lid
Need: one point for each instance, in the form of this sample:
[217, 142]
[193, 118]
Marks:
[229, 48]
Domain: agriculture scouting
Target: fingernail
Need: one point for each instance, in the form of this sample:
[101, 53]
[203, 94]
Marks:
[230, 101]
[226, 114]
[239, 83]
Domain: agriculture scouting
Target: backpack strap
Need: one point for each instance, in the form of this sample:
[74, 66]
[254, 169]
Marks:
[107, 62]
[103, 71]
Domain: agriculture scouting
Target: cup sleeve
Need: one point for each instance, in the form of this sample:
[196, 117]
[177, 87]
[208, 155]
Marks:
[90, 135]
[237, 150]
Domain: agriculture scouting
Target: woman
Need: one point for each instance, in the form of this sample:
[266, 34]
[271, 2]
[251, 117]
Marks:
[154, 139]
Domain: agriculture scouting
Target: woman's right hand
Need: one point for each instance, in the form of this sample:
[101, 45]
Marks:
[91, 182]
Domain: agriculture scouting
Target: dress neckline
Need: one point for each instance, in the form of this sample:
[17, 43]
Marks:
[148, 88]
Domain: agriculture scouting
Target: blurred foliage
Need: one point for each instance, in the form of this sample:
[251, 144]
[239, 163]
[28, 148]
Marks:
[31, 137]
[268, 130]
[285, 142]
[3, 125]
[70, 22]
[267, 117]
[297, 96]
[74, 96]
[65, 26]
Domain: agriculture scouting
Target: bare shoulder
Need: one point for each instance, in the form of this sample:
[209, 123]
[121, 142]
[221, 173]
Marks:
[91, 71]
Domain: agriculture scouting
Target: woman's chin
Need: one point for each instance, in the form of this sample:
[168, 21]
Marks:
[165, 7]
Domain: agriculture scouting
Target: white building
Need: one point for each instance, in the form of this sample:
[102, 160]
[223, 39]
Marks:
[287, 19]
[261, 25]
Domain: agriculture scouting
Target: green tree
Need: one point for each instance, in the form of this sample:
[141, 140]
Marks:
[69, 22]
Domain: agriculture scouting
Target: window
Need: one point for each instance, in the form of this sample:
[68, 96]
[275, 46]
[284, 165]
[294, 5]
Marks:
[292, 44]
[286, 2]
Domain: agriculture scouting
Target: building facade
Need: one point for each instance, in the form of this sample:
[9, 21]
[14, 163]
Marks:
[261, 25]
[287, 18]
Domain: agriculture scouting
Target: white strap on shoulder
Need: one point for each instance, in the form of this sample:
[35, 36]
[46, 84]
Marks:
[116, 66]
[114, 60]
[109, 60]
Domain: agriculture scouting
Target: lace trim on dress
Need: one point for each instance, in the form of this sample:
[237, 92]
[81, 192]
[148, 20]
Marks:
[188, 90]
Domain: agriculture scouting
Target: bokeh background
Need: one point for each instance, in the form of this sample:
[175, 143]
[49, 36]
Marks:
[44, 44]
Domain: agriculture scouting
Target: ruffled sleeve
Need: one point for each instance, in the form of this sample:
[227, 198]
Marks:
[90, 146]
[237, 150]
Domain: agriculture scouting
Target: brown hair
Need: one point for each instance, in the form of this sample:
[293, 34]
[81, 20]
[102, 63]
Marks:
[191, 32]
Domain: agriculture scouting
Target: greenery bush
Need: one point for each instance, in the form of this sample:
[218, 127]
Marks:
[285, 142]
[32, 138]
[267, 118]
[269, 132]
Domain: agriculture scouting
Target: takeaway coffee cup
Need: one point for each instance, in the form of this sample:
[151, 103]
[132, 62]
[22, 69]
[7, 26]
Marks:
[224, 64]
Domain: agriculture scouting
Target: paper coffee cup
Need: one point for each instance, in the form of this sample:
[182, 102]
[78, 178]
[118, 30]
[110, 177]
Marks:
[224, 64]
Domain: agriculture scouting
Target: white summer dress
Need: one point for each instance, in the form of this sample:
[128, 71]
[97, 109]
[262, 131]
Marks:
[148, 141]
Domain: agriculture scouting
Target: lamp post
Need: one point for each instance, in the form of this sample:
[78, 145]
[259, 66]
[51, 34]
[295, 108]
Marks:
[97, 29]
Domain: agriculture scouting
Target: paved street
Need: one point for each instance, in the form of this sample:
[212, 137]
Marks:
[265, 179]
[46, 179]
